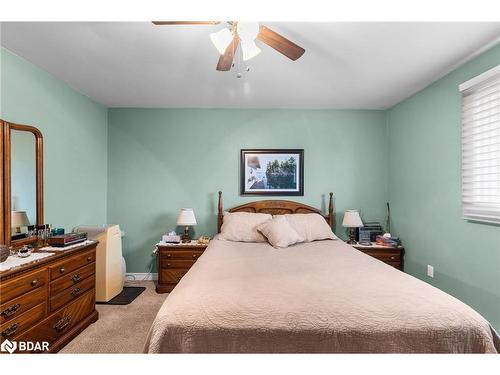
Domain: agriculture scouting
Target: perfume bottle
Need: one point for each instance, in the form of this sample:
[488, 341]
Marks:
[41, 234]
[31, 231]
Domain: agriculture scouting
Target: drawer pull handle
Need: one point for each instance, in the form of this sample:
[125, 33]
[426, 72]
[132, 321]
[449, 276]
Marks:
[10, 310]
[169, 255]
[76, 278]
[76, 291]
[62, 270]
[194, 256]
[89, 259]
[34, 282]
[168, 265]
[392, 258]
[62, 324]
[11, 330]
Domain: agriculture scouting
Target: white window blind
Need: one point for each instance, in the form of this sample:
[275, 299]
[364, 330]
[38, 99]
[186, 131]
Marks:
[481, 147]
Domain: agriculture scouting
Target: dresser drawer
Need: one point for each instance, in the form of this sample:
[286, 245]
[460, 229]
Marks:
[174, 261]
[172, 276]
[71, 278]
[18, 286]
[384, 257]
[396, 265]
[71, 293]
[167, 263]
[383, 254]
[62, 321]
[23, 322]
[63, 268]
[390, 259]
[17, 306]
[390, 256]
[181, 254]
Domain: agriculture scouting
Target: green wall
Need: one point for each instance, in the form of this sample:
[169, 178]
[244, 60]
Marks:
[425, 194]
[161, 160]
[75, 140]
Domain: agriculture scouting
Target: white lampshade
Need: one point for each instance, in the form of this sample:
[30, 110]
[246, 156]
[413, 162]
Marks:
[249, 49]
[247, 31]
[221, 39]
[352, 219]
[186, 217]
[19, 219]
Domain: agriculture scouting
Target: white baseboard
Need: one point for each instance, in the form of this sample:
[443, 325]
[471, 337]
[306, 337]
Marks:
[140, 276]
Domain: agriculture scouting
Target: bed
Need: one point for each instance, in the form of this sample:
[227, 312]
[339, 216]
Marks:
[317, 297]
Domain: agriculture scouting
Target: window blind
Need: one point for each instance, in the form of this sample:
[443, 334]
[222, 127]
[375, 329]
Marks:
[481, 147]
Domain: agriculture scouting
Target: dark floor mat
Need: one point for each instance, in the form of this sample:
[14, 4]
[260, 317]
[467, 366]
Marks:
[128, 294]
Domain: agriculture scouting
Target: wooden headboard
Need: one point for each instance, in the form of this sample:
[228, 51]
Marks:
[275, 207]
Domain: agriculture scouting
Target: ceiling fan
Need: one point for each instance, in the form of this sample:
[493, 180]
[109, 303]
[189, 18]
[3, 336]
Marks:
[243, 34]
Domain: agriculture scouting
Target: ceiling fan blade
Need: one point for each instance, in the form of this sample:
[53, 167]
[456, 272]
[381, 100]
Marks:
[280, 43]
[226, 60]
[159, 23]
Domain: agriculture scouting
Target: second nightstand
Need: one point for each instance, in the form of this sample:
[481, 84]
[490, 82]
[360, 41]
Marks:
[393, 256]
[174, 260]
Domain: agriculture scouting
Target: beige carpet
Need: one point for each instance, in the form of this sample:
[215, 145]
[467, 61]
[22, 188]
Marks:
[120, 329]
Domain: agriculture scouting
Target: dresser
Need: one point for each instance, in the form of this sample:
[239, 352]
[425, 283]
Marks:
[393, 256]
[50, 300]
[174, 260]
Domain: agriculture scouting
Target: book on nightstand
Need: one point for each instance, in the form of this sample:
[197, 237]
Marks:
[387, 241]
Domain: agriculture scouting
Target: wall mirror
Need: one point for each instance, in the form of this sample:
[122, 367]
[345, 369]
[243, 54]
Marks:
[22, 182]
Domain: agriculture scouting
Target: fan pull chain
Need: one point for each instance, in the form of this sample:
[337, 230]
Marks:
[238, 63]
[238, 74]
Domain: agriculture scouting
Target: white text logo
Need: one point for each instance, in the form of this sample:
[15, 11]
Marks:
[24, 346]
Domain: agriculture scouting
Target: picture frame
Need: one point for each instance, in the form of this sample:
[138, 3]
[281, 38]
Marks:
[273, 172]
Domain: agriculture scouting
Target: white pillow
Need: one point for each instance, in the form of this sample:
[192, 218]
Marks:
[311, 227]
[242, 226]
[279, 232]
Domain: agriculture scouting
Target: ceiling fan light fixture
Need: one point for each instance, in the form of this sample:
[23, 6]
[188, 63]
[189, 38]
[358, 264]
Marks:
[221, 39]
[248, 31]
[249, 49]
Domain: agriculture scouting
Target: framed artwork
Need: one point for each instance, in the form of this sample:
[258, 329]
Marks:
[272, 172]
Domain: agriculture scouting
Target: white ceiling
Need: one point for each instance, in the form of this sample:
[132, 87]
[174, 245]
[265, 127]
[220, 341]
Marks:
[346, 65]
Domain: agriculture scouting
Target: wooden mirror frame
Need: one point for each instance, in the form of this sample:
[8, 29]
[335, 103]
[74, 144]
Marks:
[5, 189]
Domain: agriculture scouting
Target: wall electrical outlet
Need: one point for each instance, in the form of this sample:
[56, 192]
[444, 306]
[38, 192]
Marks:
[430, 271]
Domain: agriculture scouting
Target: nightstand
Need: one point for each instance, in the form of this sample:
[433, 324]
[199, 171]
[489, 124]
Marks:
[393, 256]
[174, 260]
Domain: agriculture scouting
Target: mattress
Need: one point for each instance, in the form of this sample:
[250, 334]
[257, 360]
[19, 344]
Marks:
[319, 297]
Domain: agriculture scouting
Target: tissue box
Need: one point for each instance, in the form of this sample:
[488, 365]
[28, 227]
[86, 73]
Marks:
[171, 238]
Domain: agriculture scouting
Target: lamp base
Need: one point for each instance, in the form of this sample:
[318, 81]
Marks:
[352, 236]
[186, 237]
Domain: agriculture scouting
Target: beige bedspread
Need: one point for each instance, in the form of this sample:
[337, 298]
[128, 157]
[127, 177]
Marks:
[320, 297]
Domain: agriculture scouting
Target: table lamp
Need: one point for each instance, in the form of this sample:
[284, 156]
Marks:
[186, 218]
[352, 220]
[19, 219]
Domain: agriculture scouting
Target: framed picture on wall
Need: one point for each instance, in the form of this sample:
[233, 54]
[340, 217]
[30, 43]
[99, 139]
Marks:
[272, 172]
